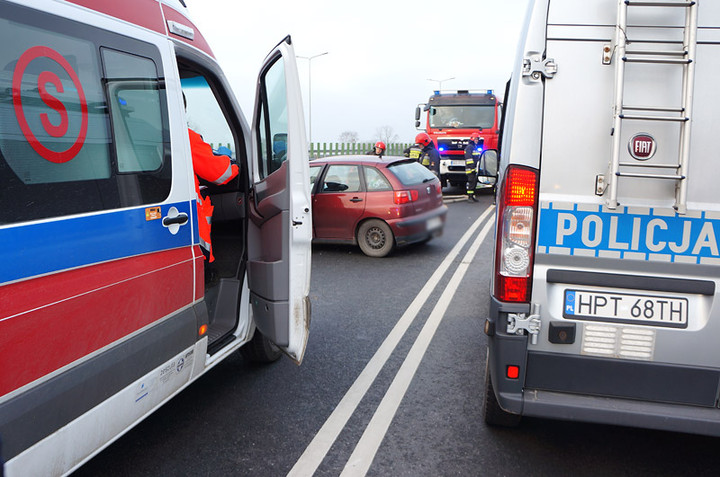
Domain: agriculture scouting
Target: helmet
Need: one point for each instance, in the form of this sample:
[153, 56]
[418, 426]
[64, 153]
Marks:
[380, 144]
[423, 139]
[474, 136]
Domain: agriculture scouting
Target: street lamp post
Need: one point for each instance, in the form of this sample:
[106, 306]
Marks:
[310, 58]
[440, 82]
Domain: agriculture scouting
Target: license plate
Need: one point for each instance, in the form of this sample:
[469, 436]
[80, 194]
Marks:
[626, 308]
[434, 223]
[458, 162]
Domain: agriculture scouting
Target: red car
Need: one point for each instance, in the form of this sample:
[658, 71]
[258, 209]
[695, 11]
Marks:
[376, 203]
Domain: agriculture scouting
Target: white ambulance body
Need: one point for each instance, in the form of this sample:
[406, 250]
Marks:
[107, 305]
[607, 259]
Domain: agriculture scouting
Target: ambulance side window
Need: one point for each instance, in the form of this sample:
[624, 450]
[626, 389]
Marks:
[62, 150]
[273, 120]
[136, 111]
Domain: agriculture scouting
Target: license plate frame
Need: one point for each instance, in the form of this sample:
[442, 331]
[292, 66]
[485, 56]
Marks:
[433, 223]
[627, 308]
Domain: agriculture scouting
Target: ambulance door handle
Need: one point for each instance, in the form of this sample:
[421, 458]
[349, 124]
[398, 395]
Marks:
[180, 219]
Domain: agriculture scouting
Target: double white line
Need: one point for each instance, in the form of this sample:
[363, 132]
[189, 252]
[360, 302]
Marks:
[367, 447]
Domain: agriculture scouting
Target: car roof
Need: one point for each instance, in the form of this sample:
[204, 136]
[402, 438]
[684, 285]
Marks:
[361, 159]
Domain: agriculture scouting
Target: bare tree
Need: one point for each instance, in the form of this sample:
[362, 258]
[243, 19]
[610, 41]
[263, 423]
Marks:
[386, 134]
[349, 137]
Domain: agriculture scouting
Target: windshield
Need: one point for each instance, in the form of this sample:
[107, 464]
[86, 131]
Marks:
[479, 116]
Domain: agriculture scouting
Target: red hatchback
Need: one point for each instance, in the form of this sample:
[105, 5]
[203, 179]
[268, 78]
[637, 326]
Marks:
[376, 203]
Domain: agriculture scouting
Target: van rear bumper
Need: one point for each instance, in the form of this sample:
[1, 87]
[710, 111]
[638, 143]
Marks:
[622, 412]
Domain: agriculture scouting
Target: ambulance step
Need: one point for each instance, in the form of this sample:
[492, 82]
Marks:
[654, 118]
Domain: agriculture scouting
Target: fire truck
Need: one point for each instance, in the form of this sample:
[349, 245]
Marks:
[451, 117]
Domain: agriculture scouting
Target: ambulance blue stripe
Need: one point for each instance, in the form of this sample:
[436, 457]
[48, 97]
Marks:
[41, 248]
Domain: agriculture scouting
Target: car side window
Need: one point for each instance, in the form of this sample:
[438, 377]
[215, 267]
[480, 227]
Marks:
[314, 172]
[342, 178]
[375, 181]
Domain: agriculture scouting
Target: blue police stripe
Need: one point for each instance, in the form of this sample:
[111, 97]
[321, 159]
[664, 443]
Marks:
[65, 243]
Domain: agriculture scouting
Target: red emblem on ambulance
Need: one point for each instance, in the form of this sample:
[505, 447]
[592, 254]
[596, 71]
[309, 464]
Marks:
[642, 146]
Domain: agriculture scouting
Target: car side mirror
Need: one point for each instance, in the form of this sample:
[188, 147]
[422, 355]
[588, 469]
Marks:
[489, 162]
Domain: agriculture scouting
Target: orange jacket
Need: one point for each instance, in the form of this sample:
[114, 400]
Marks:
[215, 169]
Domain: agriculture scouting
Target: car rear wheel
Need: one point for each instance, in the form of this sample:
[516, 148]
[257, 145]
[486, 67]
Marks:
[375, 238]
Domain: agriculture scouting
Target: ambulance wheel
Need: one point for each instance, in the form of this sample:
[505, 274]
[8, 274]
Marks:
[375, 238]
[492, 412]
[260, 349]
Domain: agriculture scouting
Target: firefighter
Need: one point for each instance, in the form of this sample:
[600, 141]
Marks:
[217, 170]
[472, 155]
[429, 155]
[378, 150]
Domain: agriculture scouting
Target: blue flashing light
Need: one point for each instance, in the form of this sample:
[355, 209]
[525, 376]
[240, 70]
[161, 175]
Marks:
[490, 91]
[122, 101]
[479, 149]
[442, 149]
[437, 91]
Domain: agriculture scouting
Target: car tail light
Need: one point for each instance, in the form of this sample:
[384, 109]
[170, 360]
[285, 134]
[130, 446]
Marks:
[405, 196]
[517, 216]
[438, 188]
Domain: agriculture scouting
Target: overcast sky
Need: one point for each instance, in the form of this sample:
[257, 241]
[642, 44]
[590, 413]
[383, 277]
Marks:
[380, 53]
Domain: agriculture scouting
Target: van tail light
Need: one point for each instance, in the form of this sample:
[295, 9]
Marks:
[405, 196]
[517, 218]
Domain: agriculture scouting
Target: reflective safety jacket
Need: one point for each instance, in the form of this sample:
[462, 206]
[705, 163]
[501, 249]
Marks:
[414, 152]
[218, 170]
[472, 156]
[430, 158]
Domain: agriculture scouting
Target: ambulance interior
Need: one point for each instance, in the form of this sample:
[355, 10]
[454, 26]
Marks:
[207, 116]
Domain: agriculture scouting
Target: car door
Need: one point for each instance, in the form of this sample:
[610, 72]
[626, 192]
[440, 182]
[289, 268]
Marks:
[339, 202]
[280, 229]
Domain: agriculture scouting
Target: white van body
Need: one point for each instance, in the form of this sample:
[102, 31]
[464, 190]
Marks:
[604, 310]
[108, 307]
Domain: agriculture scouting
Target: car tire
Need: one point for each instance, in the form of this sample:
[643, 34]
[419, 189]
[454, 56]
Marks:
[260, 349]
[492, 412]
[375, 238]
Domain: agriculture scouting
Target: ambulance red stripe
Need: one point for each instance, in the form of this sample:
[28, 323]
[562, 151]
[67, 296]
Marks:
[54, 332]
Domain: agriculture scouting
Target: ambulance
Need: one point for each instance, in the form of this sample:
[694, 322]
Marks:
[108, 307]
[607, 263]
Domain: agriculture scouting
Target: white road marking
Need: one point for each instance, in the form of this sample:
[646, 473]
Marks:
[364, 453]
[318, 448]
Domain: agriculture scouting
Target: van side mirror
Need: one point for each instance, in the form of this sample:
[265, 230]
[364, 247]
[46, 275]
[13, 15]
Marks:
[417, 116]
[489, 162]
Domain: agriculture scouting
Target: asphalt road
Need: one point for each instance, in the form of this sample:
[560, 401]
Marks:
[422, 410]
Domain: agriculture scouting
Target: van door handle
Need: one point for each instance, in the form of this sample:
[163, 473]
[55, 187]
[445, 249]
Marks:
[180, 219]
[356, 199]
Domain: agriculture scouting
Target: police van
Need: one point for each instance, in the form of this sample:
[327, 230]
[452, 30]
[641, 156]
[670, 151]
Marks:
[606, 257]
[107, 309]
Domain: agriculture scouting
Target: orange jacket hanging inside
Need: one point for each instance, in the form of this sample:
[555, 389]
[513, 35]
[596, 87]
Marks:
[218, 170]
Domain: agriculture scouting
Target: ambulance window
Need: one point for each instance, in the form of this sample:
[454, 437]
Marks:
[65, 88]
[136, 111]
[204, 115]
[54, 134]
[273, 120]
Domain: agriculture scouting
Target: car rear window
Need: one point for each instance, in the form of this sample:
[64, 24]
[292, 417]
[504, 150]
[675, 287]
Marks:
[411, 173]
